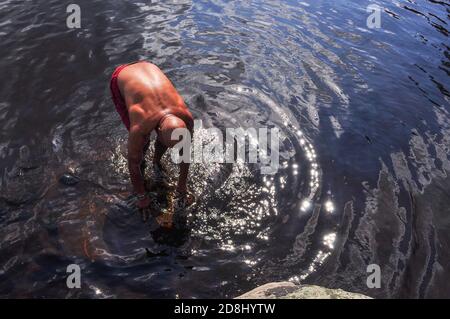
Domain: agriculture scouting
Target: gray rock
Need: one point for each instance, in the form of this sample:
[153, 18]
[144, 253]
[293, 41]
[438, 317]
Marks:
[289, 290]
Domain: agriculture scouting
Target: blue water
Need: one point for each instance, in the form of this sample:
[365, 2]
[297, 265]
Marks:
[365, 127]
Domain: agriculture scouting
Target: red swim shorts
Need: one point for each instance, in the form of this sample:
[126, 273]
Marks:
[117, 98]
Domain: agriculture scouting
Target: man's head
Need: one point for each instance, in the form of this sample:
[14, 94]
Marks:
[168, 124]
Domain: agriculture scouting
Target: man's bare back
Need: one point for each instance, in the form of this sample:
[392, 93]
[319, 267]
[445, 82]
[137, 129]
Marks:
[146, 100]
[149, 95]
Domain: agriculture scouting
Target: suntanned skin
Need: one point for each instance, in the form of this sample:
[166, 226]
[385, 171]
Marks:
[149, 95]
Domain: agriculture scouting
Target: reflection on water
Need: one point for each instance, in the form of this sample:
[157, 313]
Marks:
[364, 148]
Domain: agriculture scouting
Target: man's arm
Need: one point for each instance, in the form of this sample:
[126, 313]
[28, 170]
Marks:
[136, 143]
[160, 149]
[184, 167]
[182, 181]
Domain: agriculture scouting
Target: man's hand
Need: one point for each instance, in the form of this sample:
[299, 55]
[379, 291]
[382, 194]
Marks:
[144, 207]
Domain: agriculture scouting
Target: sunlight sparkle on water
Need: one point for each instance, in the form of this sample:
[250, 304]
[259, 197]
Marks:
[328, 240]
[329, 206]
[306, 204]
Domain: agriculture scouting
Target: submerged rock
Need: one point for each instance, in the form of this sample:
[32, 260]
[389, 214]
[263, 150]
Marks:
[289, 290]
[69, 179]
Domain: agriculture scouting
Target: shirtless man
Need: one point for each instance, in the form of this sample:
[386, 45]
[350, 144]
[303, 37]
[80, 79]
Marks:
[146, 100]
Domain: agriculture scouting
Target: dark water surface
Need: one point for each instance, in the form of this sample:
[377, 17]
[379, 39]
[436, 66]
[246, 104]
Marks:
[365, 143]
